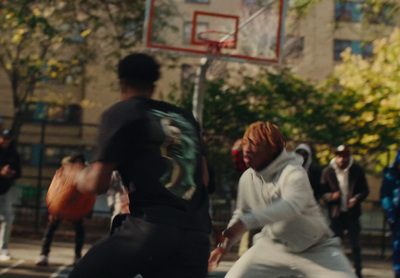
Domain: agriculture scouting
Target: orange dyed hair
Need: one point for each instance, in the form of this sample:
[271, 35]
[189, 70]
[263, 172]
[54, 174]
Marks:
[265, 133]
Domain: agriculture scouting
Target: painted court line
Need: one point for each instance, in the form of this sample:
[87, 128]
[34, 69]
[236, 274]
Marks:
[7, 269]
[59, 274]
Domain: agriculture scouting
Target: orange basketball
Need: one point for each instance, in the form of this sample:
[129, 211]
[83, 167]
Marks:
[63, 200]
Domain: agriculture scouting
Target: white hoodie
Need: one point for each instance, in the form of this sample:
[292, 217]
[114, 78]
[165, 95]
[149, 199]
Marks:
[342, 176]
[279, 199]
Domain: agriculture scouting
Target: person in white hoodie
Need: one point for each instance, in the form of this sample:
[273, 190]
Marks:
[275, 194]
[344, 188]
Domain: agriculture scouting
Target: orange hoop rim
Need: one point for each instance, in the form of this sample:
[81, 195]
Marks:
[214, 44]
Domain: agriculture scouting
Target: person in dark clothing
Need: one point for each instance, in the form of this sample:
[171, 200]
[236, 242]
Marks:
[10, 170]
[313, 171]
[344, 188]
[390, 198]
[54, 222]
[157, 149]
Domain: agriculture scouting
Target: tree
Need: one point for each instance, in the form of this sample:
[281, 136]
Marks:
[282, 98]
[33, 35]
[364, 94]
[47, 44]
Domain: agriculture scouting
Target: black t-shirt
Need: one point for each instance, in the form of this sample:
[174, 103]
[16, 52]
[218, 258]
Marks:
[10, 157]
[158, 150]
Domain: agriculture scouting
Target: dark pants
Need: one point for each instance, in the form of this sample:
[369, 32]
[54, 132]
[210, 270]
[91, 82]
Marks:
[352, 225]
[152, 250]
[396, 248]
[49, 234]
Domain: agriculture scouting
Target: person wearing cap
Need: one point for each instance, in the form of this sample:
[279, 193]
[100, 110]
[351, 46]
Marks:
[344, 187]
[390, 199]
[53, 224]
[10, 170]
[313, 171]
[275, 195]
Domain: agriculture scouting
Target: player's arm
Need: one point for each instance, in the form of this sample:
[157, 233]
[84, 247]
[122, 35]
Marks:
[96, 179]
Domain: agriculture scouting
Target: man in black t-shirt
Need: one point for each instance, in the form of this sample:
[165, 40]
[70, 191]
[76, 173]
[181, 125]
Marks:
[157, 149]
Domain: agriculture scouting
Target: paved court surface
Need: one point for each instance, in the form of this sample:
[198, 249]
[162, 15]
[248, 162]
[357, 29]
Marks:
[25, 252]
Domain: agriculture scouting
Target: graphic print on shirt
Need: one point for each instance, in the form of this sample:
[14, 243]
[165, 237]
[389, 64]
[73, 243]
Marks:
[180, 150]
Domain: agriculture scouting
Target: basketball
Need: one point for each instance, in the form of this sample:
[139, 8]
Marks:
[63, 200]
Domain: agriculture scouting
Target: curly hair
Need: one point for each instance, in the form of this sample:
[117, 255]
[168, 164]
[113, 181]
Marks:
[266, 133]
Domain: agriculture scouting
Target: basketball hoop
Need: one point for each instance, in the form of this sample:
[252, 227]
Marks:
[214, 46]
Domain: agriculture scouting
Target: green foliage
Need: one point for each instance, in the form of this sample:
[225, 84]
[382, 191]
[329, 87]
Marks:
[364, 94]
[281, 98]
[301, 7]
[48, 43]
[380, 11]
[358, 106]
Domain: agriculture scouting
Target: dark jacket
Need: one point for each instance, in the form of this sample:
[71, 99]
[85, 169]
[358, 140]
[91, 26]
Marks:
[314, 174]
[11, 157]
[390, 191]
[358, 188]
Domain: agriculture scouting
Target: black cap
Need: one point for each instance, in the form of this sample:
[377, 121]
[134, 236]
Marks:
[6, 133]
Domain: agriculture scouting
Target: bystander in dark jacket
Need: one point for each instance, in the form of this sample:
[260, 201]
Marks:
[344, 188]
[10, 170]
[390, 197]
[313, 171]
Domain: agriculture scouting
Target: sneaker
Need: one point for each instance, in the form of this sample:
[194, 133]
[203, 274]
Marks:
[43, 260]
[5, 256]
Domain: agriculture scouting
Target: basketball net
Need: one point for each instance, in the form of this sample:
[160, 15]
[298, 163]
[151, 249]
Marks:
[217, 68]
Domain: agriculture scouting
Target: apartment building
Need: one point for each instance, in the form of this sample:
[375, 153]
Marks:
[312, 49]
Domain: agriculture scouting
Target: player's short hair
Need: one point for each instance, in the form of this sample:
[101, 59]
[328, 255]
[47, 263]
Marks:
[139, 71]
[265, 133]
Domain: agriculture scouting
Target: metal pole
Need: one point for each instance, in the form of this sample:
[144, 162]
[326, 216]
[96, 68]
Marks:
[199, 90]
[40, 177]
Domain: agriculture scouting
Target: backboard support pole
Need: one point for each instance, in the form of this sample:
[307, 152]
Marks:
[199, 89]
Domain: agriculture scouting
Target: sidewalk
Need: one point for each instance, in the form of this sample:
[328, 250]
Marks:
[62, 254]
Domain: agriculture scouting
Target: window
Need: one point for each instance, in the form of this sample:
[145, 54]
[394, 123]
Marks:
[55, 113]
[73, 32]
[293, 47]
[187, 30]
[383, 16]
[25, 154]
[348, 11]
[64, 72]
[357, 47]
[131, 31]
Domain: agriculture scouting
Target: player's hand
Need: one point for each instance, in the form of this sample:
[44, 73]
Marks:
[215, 257]
[234, 233]
[336, 195]
[352, 202]
[124, 198]
[7, 172]
[72, 172]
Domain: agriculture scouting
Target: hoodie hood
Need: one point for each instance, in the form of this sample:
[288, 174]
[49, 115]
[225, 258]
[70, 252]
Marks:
[306, 148]
[278, 164]
[334, 165]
